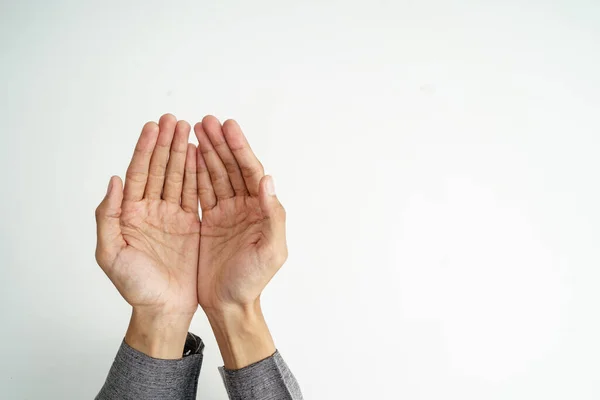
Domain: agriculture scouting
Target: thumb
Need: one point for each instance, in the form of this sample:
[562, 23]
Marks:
[108, 214]
[269, 204]
[275, 215]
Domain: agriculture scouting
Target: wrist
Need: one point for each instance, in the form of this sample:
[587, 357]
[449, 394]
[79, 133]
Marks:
[241, 333]
[158, 334]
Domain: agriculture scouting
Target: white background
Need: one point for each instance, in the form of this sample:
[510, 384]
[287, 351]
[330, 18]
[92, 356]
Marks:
[438, 161]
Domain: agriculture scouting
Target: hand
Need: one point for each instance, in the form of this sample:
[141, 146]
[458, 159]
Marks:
[243, 224]
[242, 242]
[148, 238]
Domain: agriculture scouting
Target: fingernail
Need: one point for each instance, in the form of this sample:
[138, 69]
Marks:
[270, 186]
[109, 186]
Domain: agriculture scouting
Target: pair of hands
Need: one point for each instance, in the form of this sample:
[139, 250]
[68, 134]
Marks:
[165, 261]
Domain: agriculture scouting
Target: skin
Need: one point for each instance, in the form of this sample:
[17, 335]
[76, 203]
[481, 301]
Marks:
[242, 244]
[165, 262]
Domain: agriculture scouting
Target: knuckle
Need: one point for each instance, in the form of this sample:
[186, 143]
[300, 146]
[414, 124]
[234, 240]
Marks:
[201, 168]
[142, 152]
[231, 167]
[220, 177]
[191, 171]
[180, 149]
[202, 191]
[249, 171]
[175, 177]
[157, 170]
[219, 144]
[189, 191]
[136, 176]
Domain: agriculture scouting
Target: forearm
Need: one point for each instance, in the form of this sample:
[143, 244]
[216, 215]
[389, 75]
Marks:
[158, 334]
[158, 359]
[242, 334]
[253, 368]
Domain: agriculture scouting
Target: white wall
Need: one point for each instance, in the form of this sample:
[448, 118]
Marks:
[438, 161]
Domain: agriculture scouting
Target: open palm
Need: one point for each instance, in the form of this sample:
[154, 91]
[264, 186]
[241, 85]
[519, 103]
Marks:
[148, 232]
[243, 224]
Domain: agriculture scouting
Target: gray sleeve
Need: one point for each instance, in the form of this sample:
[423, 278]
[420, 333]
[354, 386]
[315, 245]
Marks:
[269, 379]
[135, 375]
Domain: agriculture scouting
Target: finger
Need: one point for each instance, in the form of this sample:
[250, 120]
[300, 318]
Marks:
[189, 195]
[137, 172]
[176, 165]
[212, 127]
[109, 238]
[160, 157]
[218, 173]
[206, 193]
[251, 169]
[274, 214]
